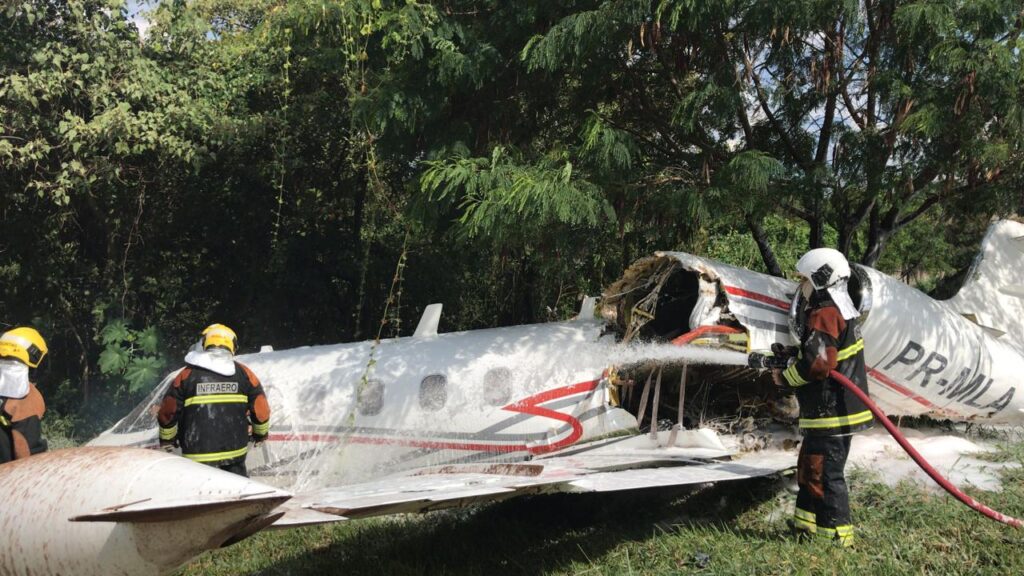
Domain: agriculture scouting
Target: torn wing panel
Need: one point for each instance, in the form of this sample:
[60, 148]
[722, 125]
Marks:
[465, 485]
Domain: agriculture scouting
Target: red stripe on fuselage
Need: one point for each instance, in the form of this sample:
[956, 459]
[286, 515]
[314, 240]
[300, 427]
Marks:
[889, 383]
[531, 406]
[526, 406]
[782, 304]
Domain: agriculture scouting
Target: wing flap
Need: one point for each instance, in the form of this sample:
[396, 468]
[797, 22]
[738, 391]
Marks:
[295, 517]
[634, 479]
[455, 486]
[418, 493]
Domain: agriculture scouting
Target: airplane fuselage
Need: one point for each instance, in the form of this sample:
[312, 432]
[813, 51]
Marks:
[342, 413]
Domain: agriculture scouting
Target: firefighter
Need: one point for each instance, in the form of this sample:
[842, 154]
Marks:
[830, 339]
[21, 404]
[211, 404]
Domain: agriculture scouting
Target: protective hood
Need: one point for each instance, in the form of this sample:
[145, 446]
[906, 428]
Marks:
[215, 359]
[13, 379]
[841, 296]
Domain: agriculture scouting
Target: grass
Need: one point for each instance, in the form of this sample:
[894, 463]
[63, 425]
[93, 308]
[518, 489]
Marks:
[731, 528]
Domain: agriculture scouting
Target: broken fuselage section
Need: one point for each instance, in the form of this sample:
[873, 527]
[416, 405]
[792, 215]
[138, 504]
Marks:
[924, 357]
[685, 300]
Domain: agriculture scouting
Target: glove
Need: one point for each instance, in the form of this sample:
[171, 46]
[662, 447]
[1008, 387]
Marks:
[768, 361]
[777, 379]
[257, 441]
[779, 358]
[783, 351]
[168, 447]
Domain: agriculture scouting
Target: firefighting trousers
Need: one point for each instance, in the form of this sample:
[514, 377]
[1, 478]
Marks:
[823, 502]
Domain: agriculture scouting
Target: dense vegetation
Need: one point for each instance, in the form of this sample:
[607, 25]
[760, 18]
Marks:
[318, 171]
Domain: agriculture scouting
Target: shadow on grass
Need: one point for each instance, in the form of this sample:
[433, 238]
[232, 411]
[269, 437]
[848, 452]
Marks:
[526, 536]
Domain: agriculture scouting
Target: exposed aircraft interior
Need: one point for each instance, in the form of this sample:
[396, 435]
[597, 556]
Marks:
[660, 300]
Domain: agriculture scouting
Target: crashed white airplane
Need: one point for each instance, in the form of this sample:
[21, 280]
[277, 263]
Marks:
[436, 420]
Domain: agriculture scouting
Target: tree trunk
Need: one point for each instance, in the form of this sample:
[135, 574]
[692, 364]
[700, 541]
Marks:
[877, 237]
[767, 254]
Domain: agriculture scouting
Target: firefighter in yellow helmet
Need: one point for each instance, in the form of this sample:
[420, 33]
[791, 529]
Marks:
[212, 403]
[21, 404]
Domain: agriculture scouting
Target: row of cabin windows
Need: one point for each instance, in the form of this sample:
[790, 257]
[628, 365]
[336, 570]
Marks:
[433, 392]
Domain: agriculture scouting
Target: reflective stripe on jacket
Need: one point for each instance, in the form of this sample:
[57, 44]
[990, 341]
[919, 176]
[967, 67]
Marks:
[209, 414]
[831, 343]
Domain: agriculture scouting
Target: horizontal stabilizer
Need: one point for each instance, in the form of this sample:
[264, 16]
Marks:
[150, 510]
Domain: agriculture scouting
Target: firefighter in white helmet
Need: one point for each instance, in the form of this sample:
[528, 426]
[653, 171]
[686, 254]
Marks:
[830, 339]
[21, 404]
[215, 405]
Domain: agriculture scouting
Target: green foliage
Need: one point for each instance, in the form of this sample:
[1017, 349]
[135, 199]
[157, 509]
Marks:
[500, 197]
[579, 35]
[735, 245]
[130, 358]
[752, 171]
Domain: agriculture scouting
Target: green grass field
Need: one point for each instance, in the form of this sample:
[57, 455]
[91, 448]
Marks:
[733, 528]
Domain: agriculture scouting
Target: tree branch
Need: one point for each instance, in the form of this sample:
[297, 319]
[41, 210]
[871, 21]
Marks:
[833, 55]
[786, 140]
[928, 203]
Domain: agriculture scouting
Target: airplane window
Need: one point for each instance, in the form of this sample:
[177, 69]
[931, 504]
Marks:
[432, 392]
[497, 386]
[371, 398]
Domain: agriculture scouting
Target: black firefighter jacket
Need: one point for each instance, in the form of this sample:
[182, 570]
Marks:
[209, 414]
[829, 343]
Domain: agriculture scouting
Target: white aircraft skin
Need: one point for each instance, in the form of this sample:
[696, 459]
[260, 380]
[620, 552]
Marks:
[538, 393]
[508, 394]
[103, 511]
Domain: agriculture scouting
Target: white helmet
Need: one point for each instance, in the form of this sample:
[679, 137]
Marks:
[824, 267]
[827, 269]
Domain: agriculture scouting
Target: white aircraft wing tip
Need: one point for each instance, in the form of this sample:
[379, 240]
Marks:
[150, 511]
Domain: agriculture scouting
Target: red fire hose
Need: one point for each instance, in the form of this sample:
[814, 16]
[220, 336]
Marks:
[939, 479]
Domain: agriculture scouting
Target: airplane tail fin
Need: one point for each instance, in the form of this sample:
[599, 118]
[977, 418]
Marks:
[993, 293]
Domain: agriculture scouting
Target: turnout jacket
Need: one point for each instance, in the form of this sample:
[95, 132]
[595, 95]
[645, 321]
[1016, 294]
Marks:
[209, 414]
[21, 433]
[829, 343]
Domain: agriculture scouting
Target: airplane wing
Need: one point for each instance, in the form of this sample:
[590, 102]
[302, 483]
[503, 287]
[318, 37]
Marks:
[630, 464]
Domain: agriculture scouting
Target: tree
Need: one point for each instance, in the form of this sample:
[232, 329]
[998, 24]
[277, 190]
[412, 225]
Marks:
[858, 116]
[93, 135]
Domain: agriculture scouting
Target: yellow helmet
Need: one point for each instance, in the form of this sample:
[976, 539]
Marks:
[219, 335]
[25, 344]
